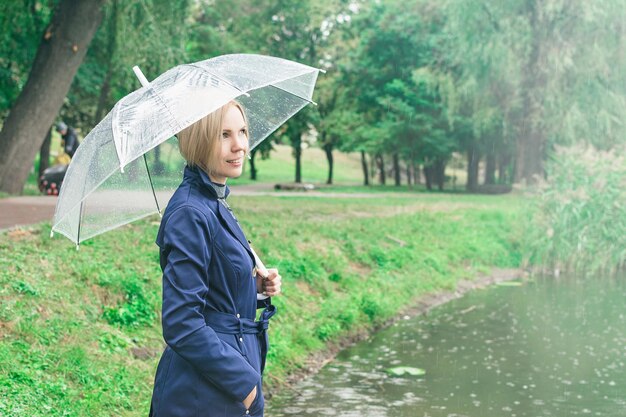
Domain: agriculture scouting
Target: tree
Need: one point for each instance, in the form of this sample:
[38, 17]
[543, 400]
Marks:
[330, 124]
[398, 92]
[63, 46]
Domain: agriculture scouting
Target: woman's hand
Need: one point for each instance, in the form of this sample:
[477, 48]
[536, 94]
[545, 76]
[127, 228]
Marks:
[268, 282]
[250, 398]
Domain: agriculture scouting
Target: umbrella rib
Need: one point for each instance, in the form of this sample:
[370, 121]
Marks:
[151, 184]
[158, 97]
[218, 77]
[295, 95]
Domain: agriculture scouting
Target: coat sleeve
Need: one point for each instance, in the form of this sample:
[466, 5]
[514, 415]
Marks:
[188, 238]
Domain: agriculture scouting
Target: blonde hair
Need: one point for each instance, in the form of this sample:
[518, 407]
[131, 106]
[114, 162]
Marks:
[199, 143]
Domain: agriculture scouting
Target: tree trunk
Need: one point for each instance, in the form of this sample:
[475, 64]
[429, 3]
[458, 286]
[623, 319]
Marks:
[366, 175]
[253, 171]
[44, 154]
[503, 168]
[159, 167]
[103, 98]
[297, 153]
[490, 169]
[416, 173]
[328, 149]
[531, 139]
[396, 169]
[62, 49]
[428, 169]
[408, 173]
[473, 159]
[440, 173]
[380, 162]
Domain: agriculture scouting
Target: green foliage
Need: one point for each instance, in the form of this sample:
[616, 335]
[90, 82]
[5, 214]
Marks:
[136, 309]
[23, 24]
[372, 306]
[328, 330]
[579, 218]
[150, 34]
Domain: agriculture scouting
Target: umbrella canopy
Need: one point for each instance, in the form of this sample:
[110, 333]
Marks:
[127, 167]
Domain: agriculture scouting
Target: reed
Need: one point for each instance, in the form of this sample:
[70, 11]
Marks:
[579, 218]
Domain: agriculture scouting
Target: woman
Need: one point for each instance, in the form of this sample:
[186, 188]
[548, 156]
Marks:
[215, 352]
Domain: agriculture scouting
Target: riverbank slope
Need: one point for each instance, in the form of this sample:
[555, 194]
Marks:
[80, 330]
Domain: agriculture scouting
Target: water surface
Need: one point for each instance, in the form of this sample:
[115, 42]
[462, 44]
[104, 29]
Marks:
[552, 347]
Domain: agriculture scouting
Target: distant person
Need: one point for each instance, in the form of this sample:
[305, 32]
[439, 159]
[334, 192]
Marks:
[70, 140]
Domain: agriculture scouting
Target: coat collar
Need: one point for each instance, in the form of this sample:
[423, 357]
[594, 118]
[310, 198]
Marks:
[202, 178]
[224, 212]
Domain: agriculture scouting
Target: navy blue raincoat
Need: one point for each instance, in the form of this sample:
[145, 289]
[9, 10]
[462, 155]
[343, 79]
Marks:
[215, 350]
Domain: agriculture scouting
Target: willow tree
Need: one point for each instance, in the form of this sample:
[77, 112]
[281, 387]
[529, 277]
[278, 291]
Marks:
[551, 69]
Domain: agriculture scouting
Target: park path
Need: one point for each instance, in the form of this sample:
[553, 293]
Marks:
[23, 211]
[27, 210]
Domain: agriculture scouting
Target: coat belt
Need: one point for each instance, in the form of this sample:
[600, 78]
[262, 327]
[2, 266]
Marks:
[231, 324]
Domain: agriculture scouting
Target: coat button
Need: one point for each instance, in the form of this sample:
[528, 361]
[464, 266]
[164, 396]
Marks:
[247, 412]
[238, 316]
[240, 339]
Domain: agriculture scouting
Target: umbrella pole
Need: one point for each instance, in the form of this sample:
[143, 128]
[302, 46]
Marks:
[144, 82]
[151, 184]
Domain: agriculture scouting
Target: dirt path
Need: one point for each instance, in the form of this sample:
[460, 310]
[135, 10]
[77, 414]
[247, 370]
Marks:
[24, 211]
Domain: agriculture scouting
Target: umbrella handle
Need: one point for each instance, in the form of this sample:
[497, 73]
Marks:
[260, 268]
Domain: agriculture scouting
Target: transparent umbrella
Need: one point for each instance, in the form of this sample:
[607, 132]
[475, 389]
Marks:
[128, 166]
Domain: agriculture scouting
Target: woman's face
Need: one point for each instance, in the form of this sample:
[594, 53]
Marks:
[228, 162]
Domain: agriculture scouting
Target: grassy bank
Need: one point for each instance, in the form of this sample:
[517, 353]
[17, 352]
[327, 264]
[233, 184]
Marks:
[80, 332]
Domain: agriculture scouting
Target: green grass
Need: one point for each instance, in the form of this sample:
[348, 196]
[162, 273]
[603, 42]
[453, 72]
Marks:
[280, 167]
[80, 332]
